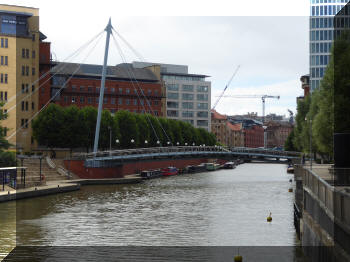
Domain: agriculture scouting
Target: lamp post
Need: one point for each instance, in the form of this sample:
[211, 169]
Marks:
[132, 142]
[158, 143]
[117, 142]
[168, 143]
[146, 143]
[185, 144]
[110, 139]
[193, 144]
[265, 136]
[310, 140]
[177, 143]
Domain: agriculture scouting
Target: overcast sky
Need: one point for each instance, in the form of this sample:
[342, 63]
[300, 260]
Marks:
[269, 39]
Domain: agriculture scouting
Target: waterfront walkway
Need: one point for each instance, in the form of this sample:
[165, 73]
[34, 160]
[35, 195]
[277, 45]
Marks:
[56, 187]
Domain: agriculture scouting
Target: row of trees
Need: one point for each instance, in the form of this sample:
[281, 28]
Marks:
[327, 109]
[71, 127]
[6, 158]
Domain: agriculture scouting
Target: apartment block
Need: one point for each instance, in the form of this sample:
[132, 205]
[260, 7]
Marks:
[188, 96]
[19, 70]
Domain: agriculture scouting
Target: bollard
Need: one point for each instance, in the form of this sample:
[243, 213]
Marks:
[36, 189]
[290, 190]
[58, 186]
[8, 192]
[269, 218]
[238, 259]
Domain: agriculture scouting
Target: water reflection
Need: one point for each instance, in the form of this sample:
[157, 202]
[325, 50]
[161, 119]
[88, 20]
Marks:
[222, 208]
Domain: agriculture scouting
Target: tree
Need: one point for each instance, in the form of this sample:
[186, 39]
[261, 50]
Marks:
[176, 131]
[109, 130]
[89, 118]
[289, 145]
[144, 130]
[48, 126]
[128, 129]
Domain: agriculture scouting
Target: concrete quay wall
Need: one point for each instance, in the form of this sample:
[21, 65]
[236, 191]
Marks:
[325, 220]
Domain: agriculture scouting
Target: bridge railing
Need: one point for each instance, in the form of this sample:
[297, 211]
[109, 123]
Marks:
[168, 150]
[150, 150]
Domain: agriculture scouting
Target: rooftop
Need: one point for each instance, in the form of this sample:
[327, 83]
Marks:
[120, 71]
[217, 116]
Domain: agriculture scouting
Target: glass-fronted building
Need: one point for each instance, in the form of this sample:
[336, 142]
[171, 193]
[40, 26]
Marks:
[322, 14]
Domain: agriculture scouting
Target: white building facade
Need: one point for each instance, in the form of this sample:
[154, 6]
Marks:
[188, 96]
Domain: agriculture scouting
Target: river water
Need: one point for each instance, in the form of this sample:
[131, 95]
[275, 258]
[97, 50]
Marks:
[221, 208]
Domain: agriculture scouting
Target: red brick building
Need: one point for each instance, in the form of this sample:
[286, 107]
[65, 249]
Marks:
[277, 133]
[137, 90]
[254, 136]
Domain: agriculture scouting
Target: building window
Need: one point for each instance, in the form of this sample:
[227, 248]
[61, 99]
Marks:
[27, 53]
[73, 99]
[22, 88]
[6, 43]
[202, 105]
[33, 37]
[23, 53]
[156, 102]
[23, 70]
[135, 102]
[188, 88]
[120, 90]
[33, 106]
[82, 88]
[172, 87]
[33, 71]
[202, 89]
[149, 92]
[105, 100]
[22, 105]
[89, 100]
[127, 91]
[26, 106]
[120, 101]
[113, 90]
[82, 100]
[187, 114]
[156, 113]
[33, 88]
[202, 114]
[113, 101]
[27, 70]
[74, 88]
[172, 104]
[127, 101]
[187, 105]
[141, 102]
[33, 54]
[202, 97]
[89, 89]
[172, 113]
[173, 96]
[202, 122]
[187, 96]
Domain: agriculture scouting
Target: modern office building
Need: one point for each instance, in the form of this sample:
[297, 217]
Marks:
[19, 69]
[322, 14]
[188, 96]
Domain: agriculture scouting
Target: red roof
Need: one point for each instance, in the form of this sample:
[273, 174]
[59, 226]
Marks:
[234, 127]
[218, 116]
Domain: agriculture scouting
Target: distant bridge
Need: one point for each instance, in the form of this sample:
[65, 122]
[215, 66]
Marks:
[119, 157]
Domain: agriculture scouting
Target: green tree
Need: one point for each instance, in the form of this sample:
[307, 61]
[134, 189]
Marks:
[109, 131]
[49, 125]
[128, 129]
[156, 132]
[89, 118]
[187, 132]
[289, 145]
[176, 131]
[144, 129]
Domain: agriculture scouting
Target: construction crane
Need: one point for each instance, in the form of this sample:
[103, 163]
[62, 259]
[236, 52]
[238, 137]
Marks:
[228, 84]
[263, 98]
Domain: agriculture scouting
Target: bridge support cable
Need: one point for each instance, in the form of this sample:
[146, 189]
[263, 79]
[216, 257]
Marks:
[130, 46]
[133, 79]
[135, 90]
[59, 91]
[59, 69]
[141, 91]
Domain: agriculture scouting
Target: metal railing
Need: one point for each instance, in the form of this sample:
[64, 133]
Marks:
[160, 150]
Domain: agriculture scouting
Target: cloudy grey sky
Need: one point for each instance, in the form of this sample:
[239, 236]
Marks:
[267, 38]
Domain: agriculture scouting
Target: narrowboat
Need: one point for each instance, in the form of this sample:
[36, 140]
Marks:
[212, 166]
[148, 174]
[229, 165]
[196, 169]
[290, 169]
[169, 171]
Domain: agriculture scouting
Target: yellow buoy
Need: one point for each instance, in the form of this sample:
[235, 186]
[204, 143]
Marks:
[290, 190]
[269, 218]
[238, 259]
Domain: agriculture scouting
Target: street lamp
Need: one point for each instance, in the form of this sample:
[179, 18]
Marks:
[310, 141]
[185, 144]
[265, 136]
[132, 142]
[146, 142]
[168, 143]
[117, 142]
[177, 143]
[158, 143]
[193, 144]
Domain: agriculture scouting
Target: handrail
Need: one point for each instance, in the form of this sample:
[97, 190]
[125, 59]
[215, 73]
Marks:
[62, 171]
[50, 162]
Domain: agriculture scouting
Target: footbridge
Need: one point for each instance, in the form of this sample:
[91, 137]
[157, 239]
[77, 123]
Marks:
[119, 157]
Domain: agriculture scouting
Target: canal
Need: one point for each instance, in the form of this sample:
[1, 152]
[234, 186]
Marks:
[216, 209]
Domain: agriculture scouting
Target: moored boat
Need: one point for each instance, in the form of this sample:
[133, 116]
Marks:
[229, 165]
[212, 166]
[169, 171]
[148, 174]
[290, 169]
